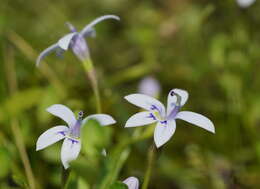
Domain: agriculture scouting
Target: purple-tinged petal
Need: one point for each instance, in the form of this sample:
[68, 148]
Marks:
[140, 119]
[176, 97]
[85, 30]
[146, 102]
[46, 52]
[69, 151]
[197, 119]
[64, 42]
[103, 119]
[51, 136]
[132, 182]
[63, 112]
[80, 47]
[163, 132]
[149, 86]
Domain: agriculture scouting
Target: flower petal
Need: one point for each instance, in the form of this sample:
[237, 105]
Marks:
[84, 31]
[64, 42]
[46, 52]
[51, 136]
[172, 99]
[163, 132]
[103, 119]
[146, 102]
[140, 119]
[69, 151]
[132, 182]
[196, 119]
[62, 112]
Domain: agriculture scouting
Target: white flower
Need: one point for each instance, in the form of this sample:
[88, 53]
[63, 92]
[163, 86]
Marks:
[75, 40]
[71, 133]
[165, 119]
[132, 182]
[245, 3]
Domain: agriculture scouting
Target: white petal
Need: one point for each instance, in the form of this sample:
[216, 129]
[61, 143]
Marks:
[103, 119]
[62, 112]
[140, 119]
[196, 119]
[132, 182]
[64, 42]
[46, 52]
[51, 136]
[172, 99]
[85, 30]
[163, 132]
[145, 102]
[69, 151]
[245, 3]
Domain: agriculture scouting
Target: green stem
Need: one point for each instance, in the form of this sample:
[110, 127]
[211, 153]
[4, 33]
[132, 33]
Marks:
[90, 71]
[64, 177]
[148, 173]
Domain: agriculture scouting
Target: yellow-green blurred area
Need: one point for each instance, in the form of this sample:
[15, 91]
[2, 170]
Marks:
[209, 48]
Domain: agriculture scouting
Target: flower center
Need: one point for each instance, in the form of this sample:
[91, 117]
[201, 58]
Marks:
[74, 132]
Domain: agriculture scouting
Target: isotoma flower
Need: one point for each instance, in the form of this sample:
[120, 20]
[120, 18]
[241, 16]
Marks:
[245, 3]
[132, 182]
[71, 146]
[75, 40]
[149, 86]
[165, 119]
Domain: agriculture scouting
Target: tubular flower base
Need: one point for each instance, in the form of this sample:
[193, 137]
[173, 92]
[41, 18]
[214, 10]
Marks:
[71, 134]
[165, 119]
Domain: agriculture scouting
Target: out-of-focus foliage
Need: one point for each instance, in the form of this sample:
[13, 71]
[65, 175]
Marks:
[209, 48]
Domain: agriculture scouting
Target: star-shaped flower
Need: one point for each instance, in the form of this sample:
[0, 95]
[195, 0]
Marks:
[75, 40]
[71, 134]
[165, 119]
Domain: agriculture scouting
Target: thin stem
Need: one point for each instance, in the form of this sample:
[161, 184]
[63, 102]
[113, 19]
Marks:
[19, 142]
[148, 173]
[90, 72]
[64, 177]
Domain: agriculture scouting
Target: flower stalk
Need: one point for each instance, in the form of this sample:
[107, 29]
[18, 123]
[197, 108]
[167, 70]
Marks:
[150, 159]
[91, 74]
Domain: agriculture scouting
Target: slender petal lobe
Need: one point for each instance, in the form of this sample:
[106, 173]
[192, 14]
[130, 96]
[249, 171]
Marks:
[84, 31]
[132, 183]
[51, 136]
[63, 112]
[163, 132]
[196, 119]
[146, 102]
[46, 52]
[140, 119]
[69, 151]
[64, 42]
[103, 119]
[173, 98]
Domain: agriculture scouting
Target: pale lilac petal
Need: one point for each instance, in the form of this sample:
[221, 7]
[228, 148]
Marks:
[104, 152]
[163, 132]
[69, 151]
[146, 102]
[85, 30]
[103, 119]
[172, 99]
[132, 182]
[149, 86]
[196, 119]
[64, 42]
[62, 112]
[51, 136]
[140, 119]
[46, 52]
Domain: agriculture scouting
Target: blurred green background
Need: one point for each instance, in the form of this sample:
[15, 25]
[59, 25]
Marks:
[209, 48]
